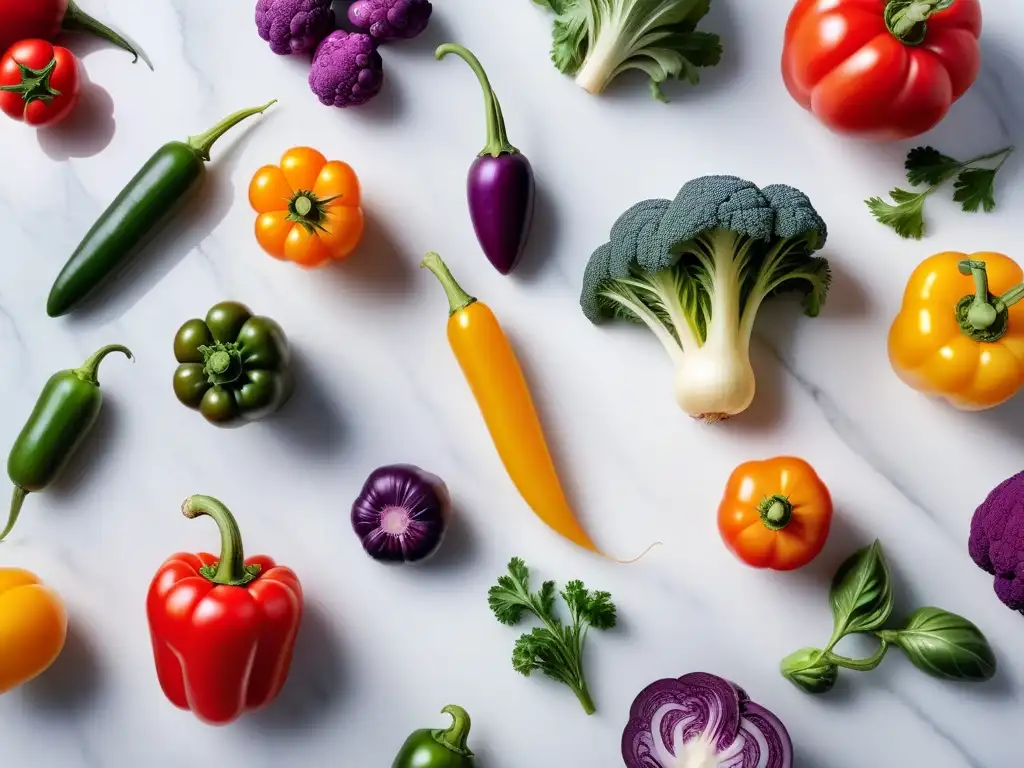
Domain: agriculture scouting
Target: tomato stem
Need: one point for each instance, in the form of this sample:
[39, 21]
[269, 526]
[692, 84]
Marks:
[907, 20]
[35, 84]
[307, 209]
[776, 512]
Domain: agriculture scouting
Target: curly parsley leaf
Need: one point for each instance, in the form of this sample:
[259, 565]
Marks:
[556, 649]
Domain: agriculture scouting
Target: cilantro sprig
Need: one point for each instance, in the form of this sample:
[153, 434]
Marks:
[974, 188]
[556, 649]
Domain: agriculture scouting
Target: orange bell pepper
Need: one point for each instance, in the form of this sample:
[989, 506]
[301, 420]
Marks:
[775, 514]
[33, 627]
[960, 332]
[309, 208]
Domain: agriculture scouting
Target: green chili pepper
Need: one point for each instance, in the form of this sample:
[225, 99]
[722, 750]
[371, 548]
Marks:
[235, 367]
[439, 748]
[65, 412]
[149, 201]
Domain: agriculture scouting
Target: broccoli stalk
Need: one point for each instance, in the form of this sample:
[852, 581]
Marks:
[696, 270]
[597, 40]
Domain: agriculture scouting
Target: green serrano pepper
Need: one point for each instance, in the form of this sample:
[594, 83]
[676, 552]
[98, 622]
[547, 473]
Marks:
[148, 202]
[65, 412]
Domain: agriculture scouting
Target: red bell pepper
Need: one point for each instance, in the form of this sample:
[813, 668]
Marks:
[223, 629]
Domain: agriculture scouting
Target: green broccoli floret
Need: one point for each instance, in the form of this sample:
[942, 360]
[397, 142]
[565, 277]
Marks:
[696, 269]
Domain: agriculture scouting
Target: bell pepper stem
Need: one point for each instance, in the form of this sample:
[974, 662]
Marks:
[231, 569]
[77, 20]
[497, 139]
[776, 512]
[202, 143]
[90, 368]
[907, 20]
[17, 499]
[457, 298]
[456, 736]
[983, 314]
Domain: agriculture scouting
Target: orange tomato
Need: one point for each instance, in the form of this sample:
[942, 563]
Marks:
[309, 208]
[33, 627]
[960, 332]
[775, 514]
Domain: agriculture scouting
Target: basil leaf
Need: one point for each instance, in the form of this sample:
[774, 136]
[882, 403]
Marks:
[945, 645]
[861, 594]
[807, 669]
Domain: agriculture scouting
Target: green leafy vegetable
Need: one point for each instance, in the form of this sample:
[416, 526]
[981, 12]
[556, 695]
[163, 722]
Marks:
[944, 645]
[555, 649]
[974, 188]
[936, 641]
[597, 40]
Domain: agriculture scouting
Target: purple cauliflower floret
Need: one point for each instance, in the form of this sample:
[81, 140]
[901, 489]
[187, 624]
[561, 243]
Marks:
[347, 69]
[997, 540]
[294, 26]
[390, 19]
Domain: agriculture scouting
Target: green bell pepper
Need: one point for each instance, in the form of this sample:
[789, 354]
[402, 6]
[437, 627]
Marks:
[235, 367]
[428, 748]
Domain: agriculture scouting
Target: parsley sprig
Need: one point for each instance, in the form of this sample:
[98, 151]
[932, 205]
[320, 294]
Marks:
[555, 649]
[974, 188]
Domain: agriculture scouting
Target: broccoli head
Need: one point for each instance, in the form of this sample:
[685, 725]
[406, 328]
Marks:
[997, 540]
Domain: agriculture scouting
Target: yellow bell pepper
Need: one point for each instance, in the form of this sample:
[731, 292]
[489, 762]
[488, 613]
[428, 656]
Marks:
[33, 627]
[960, 332]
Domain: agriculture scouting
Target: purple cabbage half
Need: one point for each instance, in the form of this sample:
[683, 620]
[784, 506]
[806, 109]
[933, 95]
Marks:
[401, 514]
[702, 721]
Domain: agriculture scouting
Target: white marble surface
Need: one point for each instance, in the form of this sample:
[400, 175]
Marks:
[382, 650]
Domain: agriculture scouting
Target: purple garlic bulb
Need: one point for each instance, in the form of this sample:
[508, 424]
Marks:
[390, 19]
[294, 26]
[347, 70]
[401, 514]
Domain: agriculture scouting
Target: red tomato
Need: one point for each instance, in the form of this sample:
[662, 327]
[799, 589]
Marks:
[852, 65]
[39, 82]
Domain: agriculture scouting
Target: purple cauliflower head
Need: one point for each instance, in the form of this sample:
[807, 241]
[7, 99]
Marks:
[390, 19]
[294, 26]
[347, 70]
[997, 540]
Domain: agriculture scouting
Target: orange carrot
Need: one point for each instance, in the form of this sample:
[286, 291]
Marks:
[496, 379]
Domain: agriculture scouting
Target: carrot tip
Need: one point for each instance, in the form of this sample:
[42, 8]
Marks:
[635, 559]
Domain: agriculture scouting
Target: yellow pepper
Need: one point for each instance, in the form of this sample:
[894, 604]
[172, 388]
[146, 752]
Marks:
[960, 332]
[33, 627]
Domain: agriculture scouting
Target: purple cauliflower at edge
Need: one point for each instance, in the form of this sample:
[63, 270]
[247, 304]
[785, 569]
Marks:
[347, 70]
[390, 19]
[997, 540]
[294, 26]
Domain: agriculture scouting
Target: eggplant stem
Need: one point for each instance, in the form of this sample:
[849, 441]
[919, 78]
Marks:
[497, 139]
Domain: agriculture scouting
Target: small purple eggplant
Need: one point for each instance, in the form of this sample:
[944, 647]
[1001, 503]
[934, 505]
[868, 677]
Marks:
[401, 514]
[500, 186]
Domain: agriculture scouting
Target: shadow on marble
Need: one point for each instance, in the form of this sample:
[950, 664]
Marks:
[86, 463]
[542, 247]
[378, 267]
[315, 681]
[847, 298]
[311, 420]
[844, 539]
[87, 131]
[438, 32]
[72, 684]
[186, 230]
[458, 551]
[1008, 417]
[766, 410]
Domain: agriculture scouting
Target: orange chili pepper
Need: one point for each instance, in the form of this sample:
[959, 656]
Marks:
[33, 627]
[775, 514]
[309, 208]
[960, 332]
[496, 379]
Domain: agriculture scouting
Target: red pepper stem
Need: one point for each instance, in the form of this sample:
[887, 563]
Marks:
[90, 368]
[77, 20]
[17, 499]
[457, 298]
[907, 20]
[776, 512]
[202, 143]
[456, 736]
[231, 569]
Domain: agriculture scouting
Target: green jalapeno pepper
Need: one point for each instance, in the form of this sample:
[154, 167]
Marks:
[235, 367]
[439, 748]
[65, 412]
[148, 202]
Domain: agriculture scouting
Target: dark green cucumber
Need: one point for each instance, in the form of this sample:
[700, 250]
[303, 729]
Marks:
[148, 202]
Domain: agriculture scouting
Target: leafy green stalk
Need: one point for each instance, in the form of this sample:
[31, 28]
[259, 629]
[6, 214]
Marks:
[974, 188]
[597, 40]
[555, 649]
